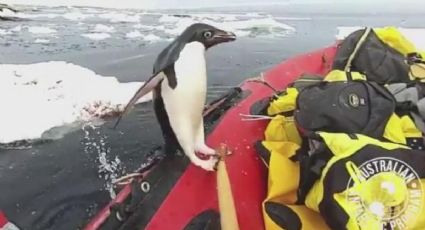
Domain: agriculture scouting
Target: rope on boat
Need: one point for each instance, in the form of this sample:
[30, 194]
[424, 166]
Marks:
[127, 179]
[260, 79]
[252, 117]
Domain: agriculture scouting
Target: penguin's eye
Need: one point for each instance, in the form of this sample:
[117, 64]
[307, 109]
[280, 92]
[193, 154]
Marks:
[207, 34]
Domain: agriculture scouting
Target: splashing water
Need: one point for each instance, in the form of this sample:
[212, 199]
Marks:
[96, 143]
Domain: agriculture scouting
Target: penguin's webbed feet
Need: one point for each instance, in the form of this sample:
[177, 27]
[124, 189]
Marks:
[207, 164]
[210, 162]
[205, 150]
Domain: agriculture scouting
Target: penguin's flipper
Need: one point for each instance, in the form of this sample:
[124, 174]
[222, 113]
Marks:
[147, 87]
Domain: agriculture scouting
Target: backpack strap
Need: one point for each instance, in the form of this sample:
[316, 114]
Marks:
[349, 76]
[414, 57]
[312, 160]
[410, 100]
[359, 44]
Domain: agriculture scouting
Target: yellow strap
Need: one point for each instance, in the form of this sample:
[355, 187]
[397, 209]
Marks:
[226, 204]
[354, 172]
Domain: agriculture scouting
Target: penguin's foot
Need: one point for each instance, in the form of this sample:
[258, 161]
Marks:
[204, 149]
[208, 164]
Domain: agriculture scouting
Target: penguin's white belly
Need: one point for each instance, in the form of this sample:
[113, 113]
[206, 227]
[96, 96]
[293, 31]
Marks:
[185, 103]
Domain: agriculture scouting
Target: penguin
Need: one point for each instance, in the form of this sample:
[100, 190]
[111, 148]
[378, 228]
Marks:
[179, 85]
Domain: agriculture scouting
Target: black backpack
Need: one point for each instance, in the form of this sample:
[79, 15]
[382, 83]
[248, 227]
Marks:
[344, 106]
[362, 51]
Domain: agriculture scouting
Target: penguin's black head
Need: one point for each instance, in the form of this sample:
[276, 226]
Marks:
[208, 35]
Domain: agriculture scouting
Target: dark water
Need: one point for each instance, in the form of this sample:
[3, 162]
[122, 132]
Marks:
[57, 184]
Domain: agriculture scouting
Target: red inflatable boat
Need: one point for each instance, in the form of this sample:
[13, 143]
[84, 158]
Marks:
[173, 194]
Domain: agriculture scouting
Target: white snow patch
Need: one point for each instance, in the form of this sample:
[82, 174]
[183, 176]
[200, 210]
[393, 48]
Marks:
[344, 31]
[168, 18]
[36, 98]
[253, 14]
[5, 32]
[120, 17]
[151, 38]
[75, 16]
[266, 25]
[41, 30]
[96, 36]
[242, 24]
[293, 18]
[139, 26]
[41, 41]
[133, 34]
[149, 28]
[7, 13]
[32, 16]
[16, 29]
[103, 28]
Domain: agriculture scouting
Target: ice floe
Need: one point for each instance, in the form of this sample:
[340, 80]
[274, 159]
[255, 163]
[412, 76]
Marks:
[37, 98]
[96, 36]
